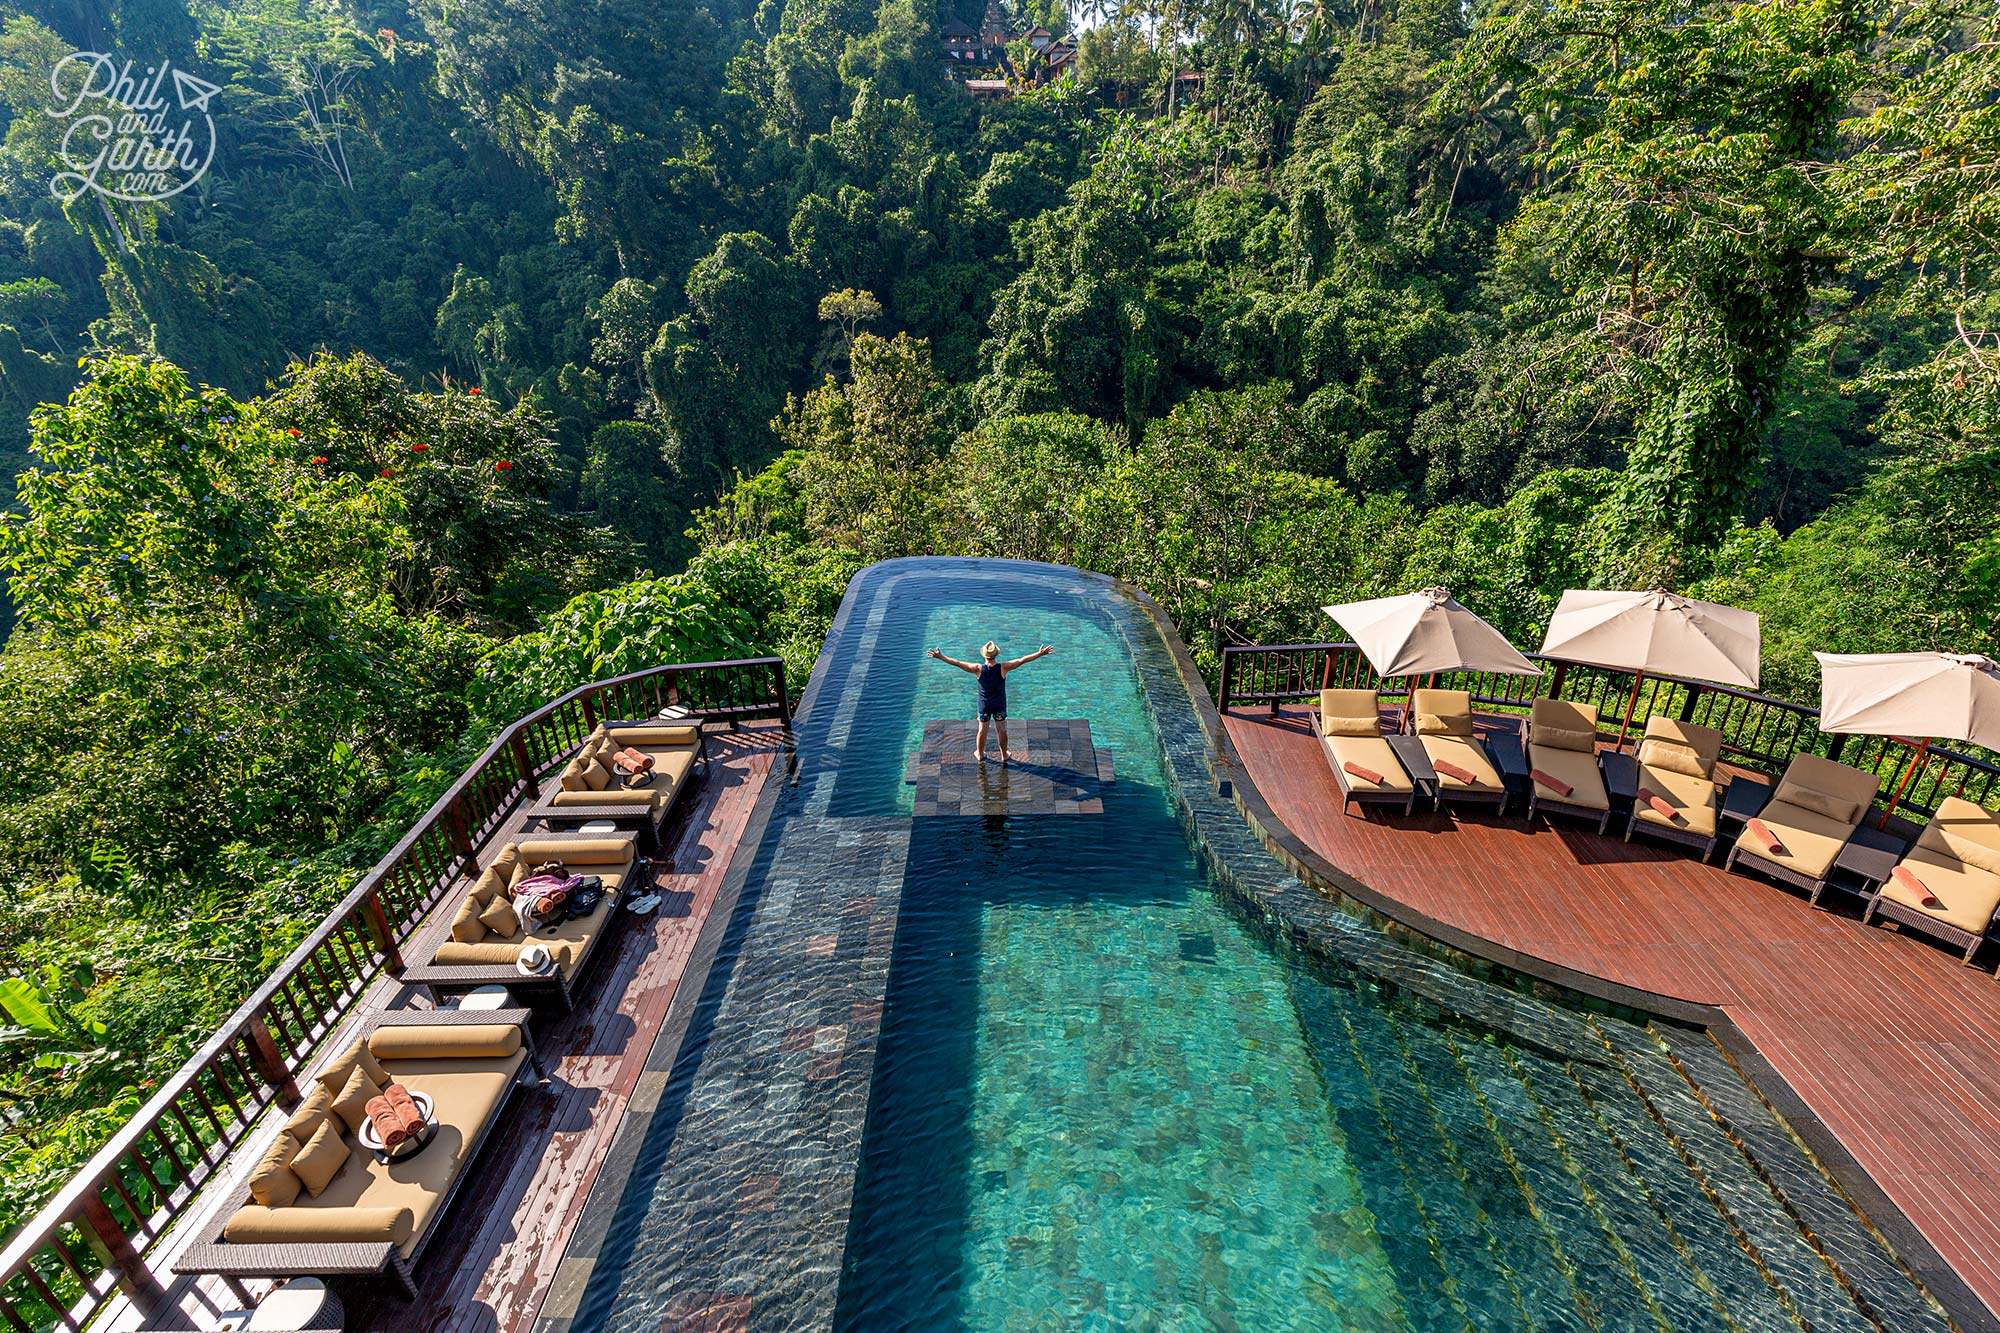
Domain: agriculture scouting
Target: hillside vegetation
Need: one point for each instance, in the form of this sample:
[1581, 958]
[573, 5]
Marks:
[510, 345]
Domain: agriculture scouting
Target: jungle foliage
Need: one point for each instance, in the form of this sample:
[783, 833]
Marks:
[506, 346]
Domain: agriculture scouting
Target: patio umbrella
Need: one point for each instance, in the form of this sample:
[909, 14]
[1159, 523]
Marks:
[1654, 633]
[1421, 633]
[1931, 696]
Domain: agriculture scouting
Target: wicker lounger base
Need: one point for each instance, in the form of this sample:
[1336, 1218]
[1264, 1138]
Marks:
[1551, 805]
[1350, 795]
[211, 1254]
[1687, 837]
[1923, 922]
[1466, 796]
[1783, 874]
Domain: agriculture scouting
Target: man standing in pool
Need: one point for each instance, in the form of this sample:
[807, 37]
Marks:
[992, 674]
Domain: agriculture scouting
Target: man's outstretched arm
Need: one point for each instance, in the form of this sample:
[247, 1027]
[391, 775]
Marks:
[953, 661]
[1042, 651]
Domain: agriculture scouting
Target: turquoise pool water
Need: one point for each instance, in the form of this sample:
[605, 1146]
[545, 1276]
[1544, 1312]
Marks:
[1040, 1072]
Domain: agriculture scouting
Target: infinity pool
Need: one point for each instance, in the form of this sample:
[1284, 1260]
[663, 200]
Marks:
[1101, 1098]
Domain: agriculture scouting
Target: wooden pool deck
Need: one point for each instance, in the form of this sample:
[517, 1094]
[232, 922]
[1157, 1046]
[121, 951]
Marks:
[1887, 1038]
[496, 1256]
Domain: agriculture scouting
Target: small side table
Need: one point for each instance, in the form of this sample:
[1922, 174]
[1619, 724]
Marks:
[304, 1303]
[1504, 748]
[598, 826]
[1621, 782]
[1869, 856]
[1416, 762]
[486, 997]
[1742, 801]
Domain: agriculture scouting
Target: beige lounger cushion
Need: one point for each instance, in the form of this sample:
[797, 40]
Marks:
[466, 927]
[1693, 797]
[456, 1041]
[352, 1103]
[572, 852]
[466, 1094]
[1969, 894]
[320, 1160]
[1576, 768]
[1558, 724]
[1681, 747]
[273, 1183]
[334, 1077]
[1457, 750]
[254, 1224]
[642, 737]
[1811, 839]
[1350, 713]
[486, 953]
[317, 1106]
[572, 941]
[1964, 832]
[1840, 809]
[1442, 712]
[1828, 787]
[1370, 752]
[633, 796]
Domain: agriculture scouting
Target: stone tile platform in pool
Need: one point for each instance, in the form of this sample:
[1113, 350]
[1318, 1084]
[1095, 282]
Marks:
[1316, 1125]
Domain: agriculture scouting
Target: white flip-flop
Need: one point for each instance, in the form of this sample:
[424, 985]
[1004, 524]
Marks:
[643, 904]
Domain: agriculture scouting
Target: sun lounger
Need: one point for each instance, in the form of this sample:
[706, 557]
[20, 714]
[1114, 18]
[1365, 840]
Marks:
[1443, 722]
[1813, 812]
[1949, 882]
[466, 948]
[1349, 727]
[1678, 796]
[591, 786]
[1563, 774]
[319, 1204]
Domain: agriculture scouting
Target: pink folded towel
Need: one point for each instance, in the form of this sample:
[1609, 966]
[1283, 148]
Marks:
[1760, 832]
[1552, 782]
[1362, 771]
[1451, 770]
[1905, 877]
[1662, 804]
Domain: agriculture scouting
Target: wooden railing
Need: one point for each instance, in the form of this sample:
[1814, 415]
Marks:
[1759, 732]
[90, 1241]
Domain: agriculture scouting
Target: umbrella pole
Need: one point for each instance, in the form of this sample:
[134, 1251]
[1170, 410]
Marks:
[1630, 705]
[1922, 757]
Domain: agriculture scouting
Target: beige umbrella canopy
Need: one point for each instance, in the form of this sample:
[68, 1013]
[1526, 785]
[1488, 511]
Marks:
[1930, 696]
[1655, 632]
[1421, 632]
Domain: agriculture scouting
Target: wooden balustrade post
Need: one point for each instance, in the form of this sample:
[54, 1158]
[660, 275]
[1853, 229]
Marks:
[1227, 679]
[523, 765]
[377, 918]
[461, 841]
[589, 702]
[784, 697]
[121, 1260]
[269, 1061]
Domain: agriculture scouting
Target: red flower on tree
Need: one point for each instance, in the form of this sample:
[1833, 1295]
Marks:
[292, 431]
[503, 466]
[420, 448]
[388, 472]
[473, 389]
[318, 460]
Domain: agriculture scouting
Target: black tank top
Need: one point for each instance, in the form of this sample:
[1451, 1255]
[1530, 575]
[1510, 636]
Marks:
[992, 688]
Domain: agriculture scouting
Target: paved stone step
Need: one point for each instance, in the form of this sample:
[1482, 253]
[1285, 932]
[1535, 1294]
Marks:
[1487, 1177]
[1600, 1267]
[1434, 1299]
[1475, 1256]
[1774, 1232]
[1681, 1289]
